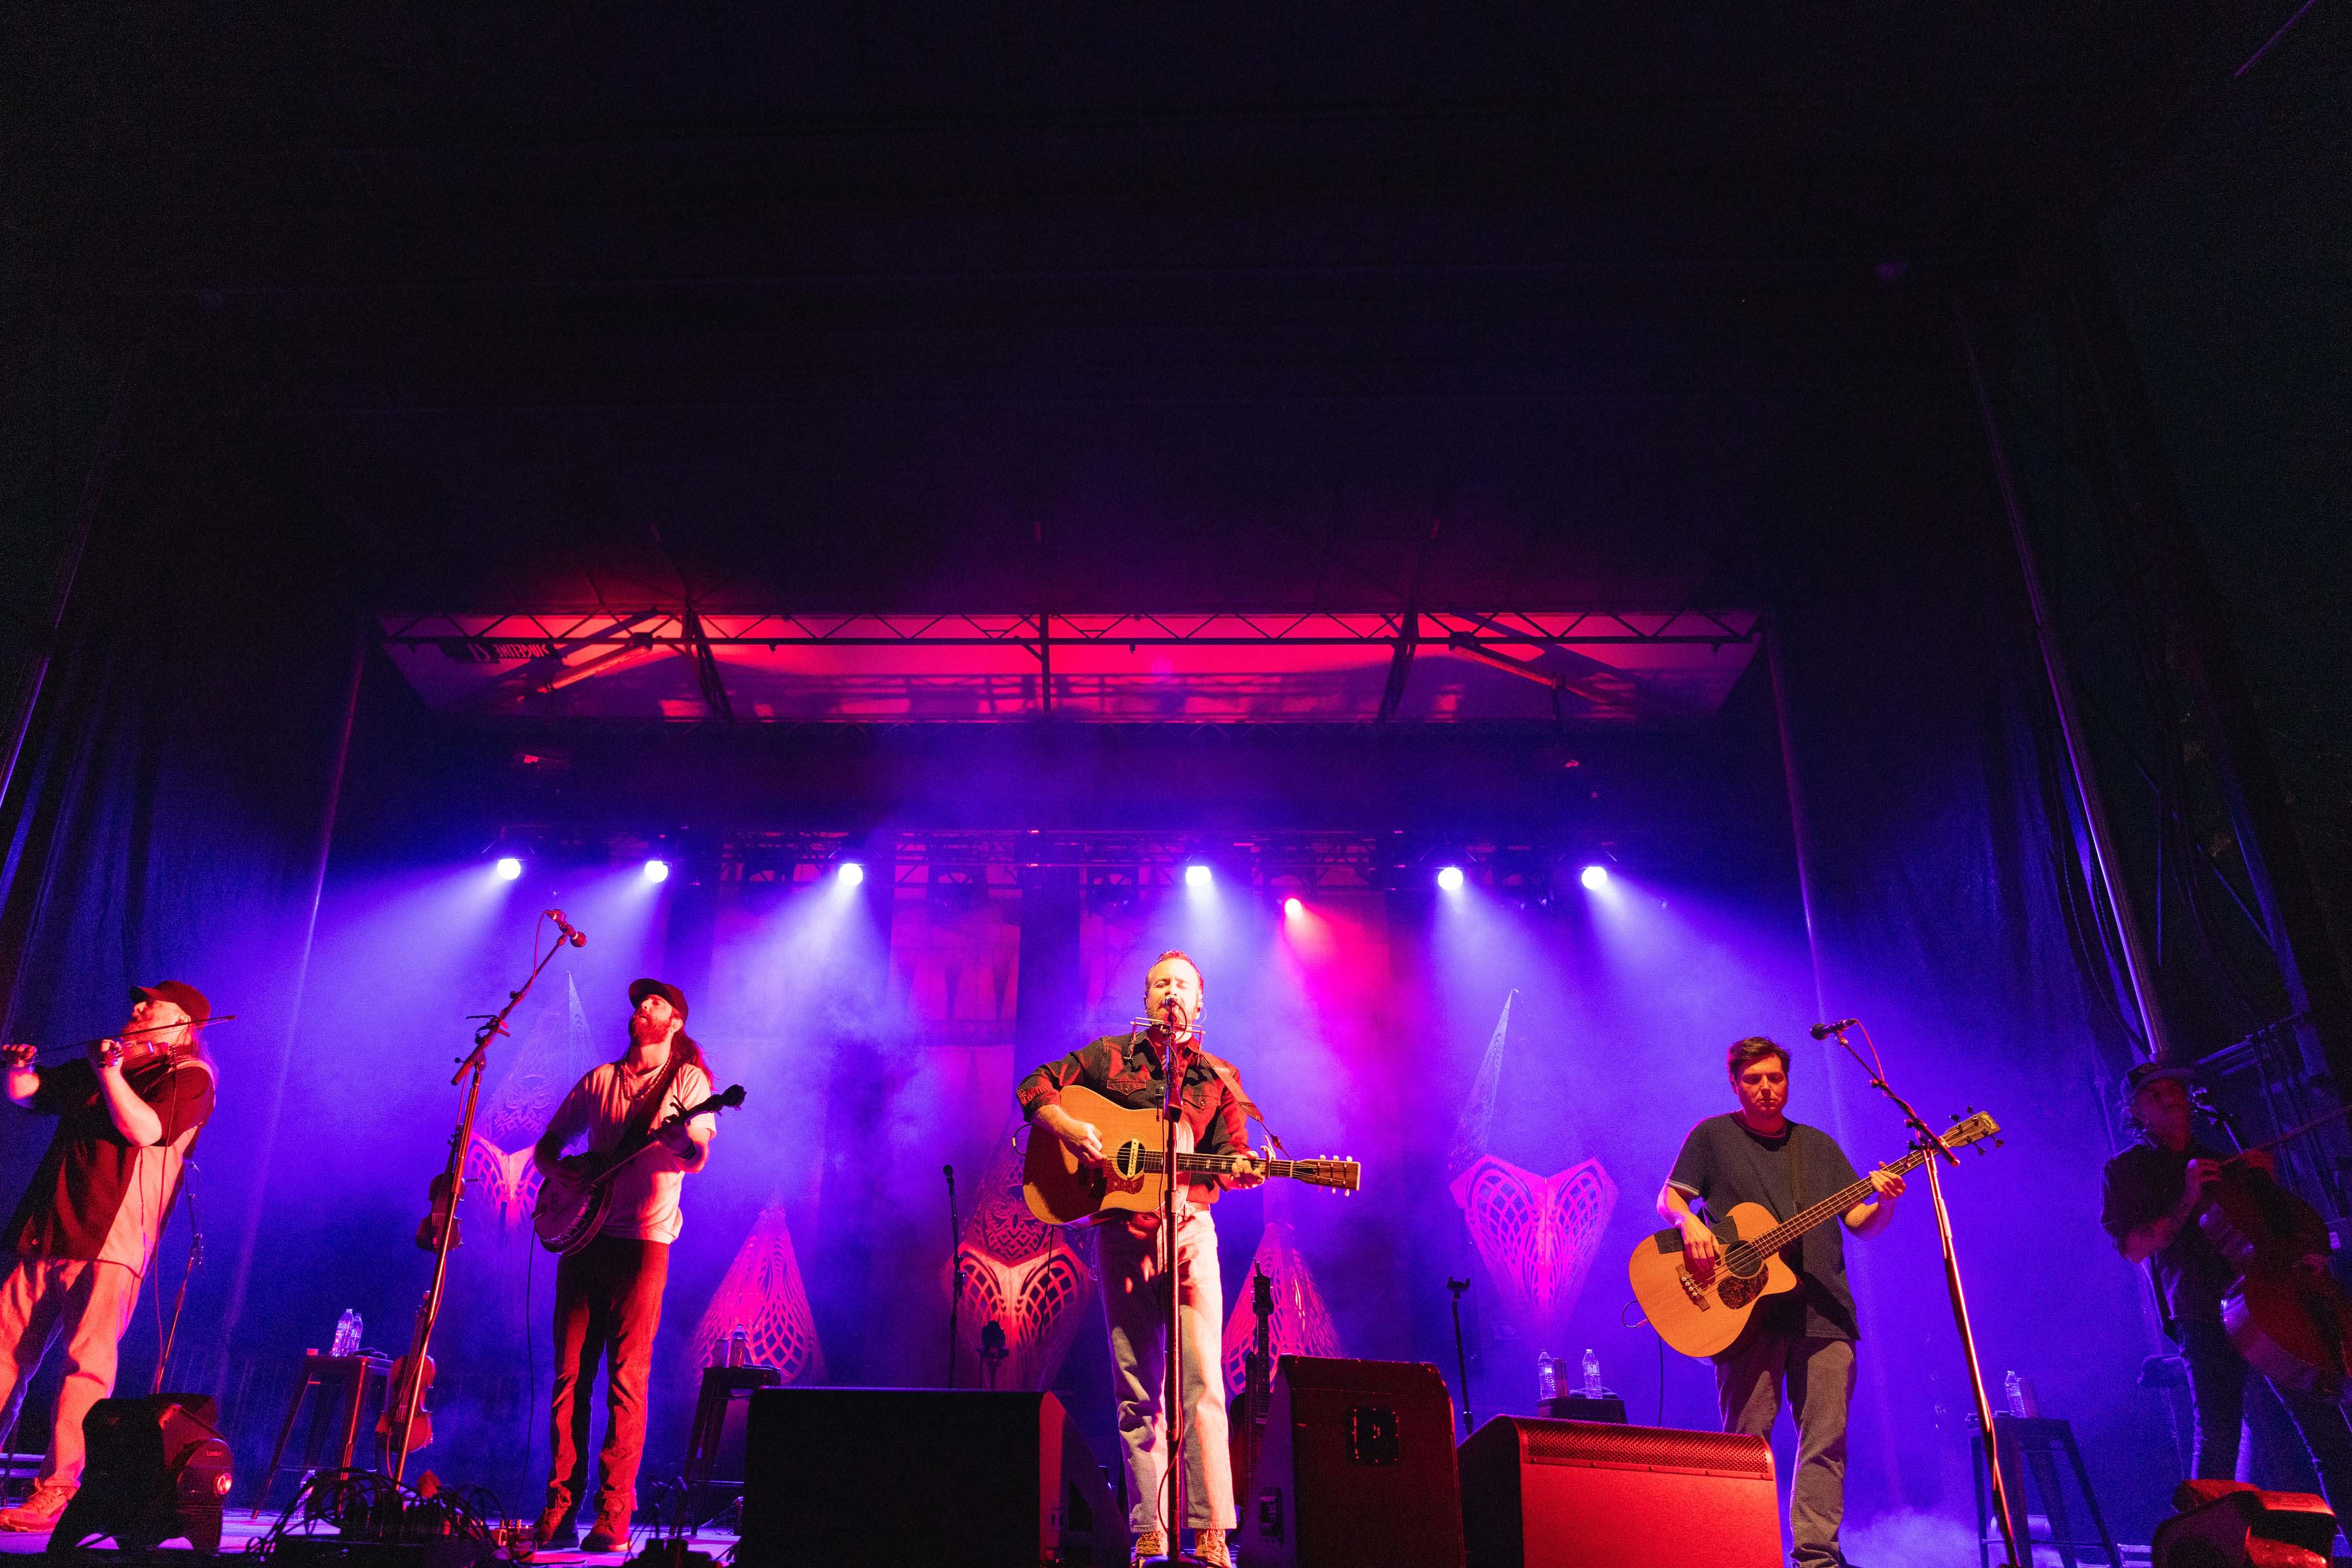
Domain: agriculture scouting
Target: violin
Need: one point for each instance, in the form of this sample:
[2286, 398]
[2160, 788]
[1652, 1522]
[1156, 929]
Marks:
[2287, 1314]
[440, 1214]
[402, 1383]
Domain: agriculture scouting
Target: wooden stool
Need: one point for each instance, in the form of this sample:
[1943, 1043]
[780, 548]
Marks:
[336, 1377]
[2033, 1445]
[722, 1388]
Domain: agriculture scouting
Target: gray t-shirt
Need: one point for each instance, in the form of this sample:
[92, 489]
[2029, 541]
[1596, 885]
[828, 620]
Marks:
[1722, 1164]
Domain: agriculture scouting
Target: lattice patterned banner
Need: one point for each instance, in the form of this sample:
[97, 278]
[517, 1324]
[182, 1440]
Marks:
[1033, 1280]
[556, 1049]
[1302, 1324]
[764, 1295]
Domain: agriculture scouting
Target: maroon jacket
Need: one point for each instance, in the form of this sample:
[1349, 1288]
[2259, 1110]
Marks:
[1125, 1069]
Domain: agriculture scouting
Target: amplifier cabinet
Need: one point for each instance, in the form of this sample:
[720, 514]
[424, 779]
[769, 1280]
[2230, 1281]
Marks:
[1357, 1471]
[1590, 1494]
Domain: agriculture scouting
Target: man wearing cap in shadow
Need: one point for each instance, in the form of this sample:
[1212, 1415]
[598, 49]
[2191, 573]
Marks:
[608, 1294]
[2154, 1192]
[88, 1221]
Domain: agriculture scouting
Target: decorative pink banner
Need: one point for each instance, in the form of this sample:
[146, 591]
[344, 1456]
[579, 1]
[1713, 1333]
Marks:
[1537, 1235]
[1302, 1324]
[763, 1295]
[1030, 1280]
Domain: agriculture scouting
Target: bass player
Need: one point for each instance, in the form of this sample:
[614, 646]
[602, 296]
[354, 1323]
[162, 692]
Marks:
[1802, 1340]
[1131, 1069]
[2152, 1193]
[608, 1295]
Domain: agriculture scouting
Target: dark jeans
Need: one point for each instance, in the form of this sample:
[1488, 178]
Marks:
[608, 1299]
[2217, 1391]
[1818, 1375]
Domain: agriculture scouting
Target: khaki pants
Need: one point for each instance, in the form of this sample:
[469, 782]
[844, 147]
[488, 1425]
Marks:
[91, 1304]
[1135, 1308]
[1819, 1375]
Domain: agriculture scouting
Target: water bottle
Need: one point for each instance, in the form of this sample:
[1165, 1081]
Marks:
[347, 1333]
[2015, 1387]
[1547, 1377]
[1592, 1374]
[739, 1348]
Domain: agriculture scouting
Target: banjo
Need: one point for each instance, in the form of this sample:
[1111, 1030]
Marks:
[572, 1205]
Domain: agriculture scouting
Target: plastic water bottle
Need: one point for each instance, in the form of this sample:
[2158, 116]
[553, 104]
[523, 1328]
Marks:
[1547, 1376]
[739, 1348]
[1592, 1374]
[2020, 1399]
[347, 1333]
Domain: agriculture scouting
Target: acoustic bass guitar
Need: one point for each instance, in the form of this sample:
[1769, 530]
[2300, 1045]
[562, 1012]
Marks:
[1062, 1190]
[572, 1205]
[1705, 1320]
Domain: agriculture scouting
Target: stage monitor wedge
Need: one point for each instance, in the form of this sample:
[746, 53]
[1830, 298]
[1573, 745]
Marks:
[1592, 1494]
[1357, 1470]
[158, 1472]
[887, 1477]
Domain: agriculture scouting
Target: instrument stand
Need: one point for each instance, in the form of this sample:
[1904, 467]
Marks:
[1172, 1398]
[955, 1272]
[1461, 1359]
[469, 1073]
[2001, 1504]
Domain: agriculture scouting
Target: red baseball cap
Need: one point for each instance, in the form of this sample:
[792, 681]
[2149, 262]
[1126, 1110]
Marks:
[178, 993]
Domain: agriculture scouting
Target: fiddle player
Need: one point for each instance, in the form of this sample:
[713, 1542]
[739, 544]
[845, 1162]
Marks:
[2154, 1193]
[87, 1228]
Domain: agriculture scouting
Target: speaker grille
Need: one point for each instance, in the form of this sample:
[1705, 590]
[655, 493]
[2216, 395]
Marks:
[1644, 1448]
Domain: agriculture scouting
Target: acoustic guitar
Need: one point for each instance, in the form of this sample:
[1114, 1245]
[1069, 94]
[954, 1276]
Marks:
[571, 1207]
[1061, 1190]
[1707, 1320]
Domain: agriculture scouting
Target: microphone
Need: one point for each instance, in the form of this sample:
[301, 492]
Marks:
[573, 934]
[1823, 1031]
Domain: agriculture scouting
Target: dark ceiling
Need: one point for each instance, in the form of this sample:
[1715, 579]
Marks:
[1017, 306]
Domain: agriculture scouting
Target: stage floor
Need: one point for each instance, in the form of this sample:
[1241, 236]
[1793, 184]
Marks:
[240, 1526]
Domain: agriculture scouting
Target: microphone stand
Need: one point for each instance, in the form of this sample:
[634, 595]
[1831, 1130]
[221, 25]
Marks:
[1461, 1359]
[955, 1274]
[1172, 1113]
[1936, 1145]
[187, 1196]
[469, 1072]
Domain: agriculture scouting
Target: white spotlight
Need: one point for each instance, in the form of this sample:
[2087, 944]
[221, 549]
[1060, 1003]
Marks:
[1594, 877]
[656, 870]
[508, 868]
[850, 872]
[1450, 879]
[1197, 876]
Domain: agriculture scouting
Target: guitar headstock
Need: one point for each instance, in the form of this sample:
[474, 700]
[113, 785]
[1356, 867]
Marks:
[1977, 1127]
[1341, 1175]
[727, 1099]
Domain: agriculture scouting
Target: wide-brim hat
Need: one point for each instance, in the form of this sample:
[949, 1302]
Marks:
[641, 989]
[179, 995]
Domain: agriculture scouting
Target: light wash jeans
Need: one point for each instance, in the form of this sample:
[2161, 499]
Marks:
[89, 1303]
[1134, 1310]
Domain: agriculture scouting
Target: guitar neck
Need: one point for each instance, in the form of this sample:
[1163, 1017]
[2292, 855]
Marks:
[1224, 1164]
[1837, 1202]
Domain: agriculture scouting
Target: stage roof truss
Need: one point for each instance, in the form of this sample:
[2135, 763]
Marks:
[1110, 667]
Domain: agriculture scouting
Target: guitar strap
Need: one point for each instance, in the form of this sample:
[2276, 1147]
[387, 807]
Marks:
[642, 1114]
[1232, 1080]
[1796, 1181]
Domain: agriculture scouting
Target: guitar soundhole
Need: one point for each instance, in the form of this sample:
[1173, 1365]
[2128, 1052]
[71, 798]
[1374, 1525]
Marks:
[1128, 1161]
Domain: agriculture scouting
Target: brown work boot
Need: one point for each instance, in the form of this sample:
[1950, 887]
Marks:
[556, 1529]
[611, 1533]
[40, 1511]
[1208, 1549]
[1149, 1547]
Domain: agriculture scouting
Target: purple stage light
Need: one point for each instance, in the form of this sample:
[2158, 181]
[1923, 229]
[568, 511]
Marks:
[1197, 877]
[1450, 879]
[1594, 877]
[850, 872]
[1293, 908]
[508, 868]
[656, 870]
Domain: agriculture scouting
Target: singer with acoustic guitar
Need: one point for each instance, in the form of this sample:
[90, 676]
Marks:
[608, 1293]
[1129, 1069]
[1800, 1341]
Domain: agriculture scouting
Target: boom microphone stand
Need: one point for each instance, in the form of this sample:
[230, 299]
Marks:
[1912, 1119]
[469, 1073]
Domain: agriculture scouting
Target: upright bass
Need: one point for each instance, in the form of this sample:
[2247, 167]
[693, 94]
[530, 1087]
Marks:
[2285, 1314]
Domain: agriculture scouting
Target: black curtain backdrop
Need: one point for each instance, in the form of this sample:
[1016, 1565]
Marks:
[166, 820]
